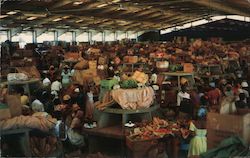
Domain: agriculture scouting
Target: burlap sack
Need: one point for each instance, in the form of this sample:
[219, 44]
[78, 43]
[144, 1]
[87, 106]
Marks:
[83, 76]
[83, 64]
[134, 98]
[93, 64]
[14, 103]
[31, 72]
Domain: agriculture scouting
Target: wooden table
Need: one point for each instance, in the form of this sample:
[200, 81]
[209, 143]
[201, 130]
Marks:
[25, 133]
[107, 117]
[113, 132]
[178, 76]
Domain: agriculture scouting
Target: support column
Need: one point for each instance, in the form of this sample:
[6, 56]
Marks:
[34, 36]
[73, 36]
[90, 37]
[103, 36]
[9, 35]
[56, 35]
[116, 35]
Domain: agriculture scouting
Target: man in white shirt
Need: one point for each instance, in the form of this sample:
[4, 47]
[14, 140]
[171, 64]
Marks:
[46, 82]
[56, 86]
[181, 95]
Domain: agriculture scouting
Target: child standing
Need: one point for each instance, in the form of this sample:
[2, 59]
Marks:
[198, 143]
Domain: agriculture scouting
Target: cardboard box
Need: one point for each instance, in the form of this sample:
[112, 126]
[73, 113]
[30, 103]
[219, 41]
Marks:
[83, 76]
[188, 67]
[220, 127]
[140, 148]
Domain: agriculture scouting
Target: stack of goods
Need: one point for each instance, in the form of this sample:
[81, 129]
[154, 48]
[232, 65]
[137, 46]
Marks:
[162, 66]
[102, 68]
[71, 56]
[22, 57]
[83, 77]
[17, 58]
[31, 71]
[13, 117]
[93, 53]
[130, 59]
[81, 65]
[86, 72]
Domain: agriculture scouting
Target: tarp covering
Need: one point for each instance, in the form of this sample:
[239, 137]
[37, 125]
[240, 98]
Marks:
[134, 98]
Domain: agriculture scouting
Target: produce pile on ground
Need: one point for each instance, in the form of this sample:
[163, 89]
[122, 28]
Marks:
[159, 128]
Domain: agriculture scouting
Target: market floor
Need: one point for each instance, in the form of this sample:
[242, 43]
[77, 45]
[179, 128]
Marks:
[78, 154]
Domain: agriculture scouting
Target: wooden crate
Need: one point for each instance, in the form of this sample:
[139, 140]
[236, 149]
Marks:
[219, 129]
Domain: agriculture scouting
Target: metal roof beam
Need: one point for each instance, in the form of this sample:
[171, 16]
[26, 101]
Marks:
[220, 7]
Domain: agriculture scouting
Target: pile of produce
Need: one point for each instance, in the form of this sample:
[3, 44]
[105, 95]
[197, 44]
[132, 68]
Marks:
[45, 146]
[174, 68]
[158, 128]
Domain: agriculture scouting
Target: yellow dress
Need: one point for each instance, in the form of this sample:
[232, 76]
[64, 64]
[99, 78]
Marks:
[198, 143]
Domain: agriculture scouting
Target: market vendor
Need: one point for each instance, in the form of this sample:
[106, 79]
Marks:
[64, 109]
[66, 76]
[56, 86]
[52, 72]
[213, 95]
[241, 104]
[79, 97]
[37, 105]
[183, 101]
[46, 81]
